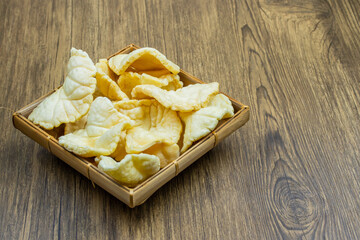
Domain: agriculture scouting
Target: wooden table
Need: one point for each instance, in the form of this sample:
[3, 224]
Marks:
[291, 172]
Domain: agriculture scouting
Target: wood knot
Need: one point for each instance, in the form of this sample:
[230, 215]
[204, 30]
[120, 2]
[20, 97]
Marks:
[295, 205]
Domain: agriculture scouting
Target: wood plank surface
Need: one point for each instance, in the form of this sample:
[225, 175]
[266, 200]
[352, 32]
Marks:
[292, 172]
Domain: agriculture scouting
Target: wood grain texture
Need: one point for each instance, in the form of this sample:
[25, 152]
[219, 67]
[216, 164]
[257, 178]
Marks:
[292, 172]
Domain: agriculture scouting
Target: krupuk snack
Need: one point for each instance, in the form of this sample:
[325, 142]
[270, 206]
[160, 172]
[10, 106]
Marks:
[135, 117]
[72, 101]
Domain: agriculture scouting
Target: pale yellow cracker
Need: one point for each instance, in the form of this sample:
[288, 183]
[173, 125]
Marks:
[159, 124]
[136, 110]
[174, 82]
[116, 61]
[102, 132]
[186, 99]
[105, 82]
[79, 124]
[156, 131]
[129, 80]
[167, 152]
[132, 169]
[154, 73]
[142, 60]
[200, 123]
[72, 101]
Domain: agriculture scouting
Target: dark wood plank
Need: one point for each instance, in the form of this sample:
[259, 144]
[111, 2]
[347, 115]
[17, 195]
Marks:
[292, 172]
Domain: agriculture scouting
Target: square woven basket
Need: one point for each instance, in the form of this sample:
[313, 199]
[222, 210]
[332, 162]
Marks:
[86, 166]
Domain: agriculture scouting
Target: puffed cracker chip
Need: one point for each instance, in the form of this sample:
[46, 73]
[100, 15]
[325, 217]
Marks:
[154, 73]
[167, 152]
[72, 101]
[120, 151]
[135, 109]
[186, 99]
[132, 169]
[79, 124]
[116, 61]
[200, 123]
[142, 60]
[129, 80]
[174, 82]
[159, 125]
[97, 93]
[104, 66]
[102, 132]
[105, 82]
[140, 111]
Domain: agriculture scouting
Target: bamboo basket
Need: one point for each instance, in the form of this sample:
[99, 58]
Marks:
[139, 194]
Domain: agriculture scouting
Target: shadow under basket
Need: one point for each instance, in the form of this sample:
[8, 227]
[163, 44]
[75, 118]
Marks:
[137, 195]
